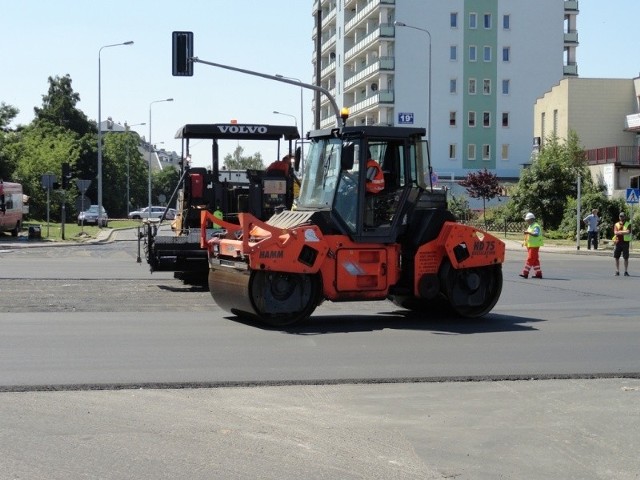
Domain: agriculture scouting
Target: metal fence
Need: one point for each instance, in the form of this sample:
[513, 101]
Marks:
[495, 226]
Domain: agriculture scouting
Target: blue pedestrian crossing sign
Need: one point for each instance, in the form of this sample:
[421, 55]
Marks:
[633, 195]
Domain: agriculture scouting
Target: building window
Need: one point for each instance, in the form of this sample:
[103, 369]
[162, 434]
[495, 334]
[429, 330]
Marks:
[453, 52]
[452, 119]
[473, 20]
[487, 21]
[471, 151]
[506, 54]
[472, 86]
[473, 53]
[505, 151]
[486, 119]
[486, 86]
[555, 122]
[453, 85]
[506, 84]
[505, 119]
[487, 53]
[486, 151]
[453, 19]
[506, 22]
[472, 119]
[452, 151]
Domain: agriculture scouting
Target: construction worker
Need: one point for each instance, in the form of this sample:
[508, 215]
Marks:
[218, 214]
[533, 240]
[283, 165]
[375, 177]
[622, 238]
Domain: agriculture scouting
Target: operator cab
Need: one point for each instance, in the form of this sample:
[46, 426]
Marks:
[339, 165]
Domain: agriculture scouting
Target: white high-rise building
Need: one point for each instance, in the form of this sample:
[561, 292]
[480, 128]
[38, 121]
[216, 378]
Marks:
[487, 62]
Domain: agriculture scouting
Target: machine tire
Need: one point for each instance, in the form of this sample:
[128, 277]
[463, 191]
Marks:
[276, 296]
[432, 306]
[471, 292]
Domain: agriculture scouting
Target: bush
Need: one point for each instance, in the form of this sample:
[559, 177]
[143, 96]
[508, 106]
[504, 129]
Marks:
[608, 210]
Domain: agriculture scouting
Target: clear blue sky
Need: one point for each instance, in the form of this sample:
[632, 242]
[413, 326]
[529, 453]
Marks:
[48, 38]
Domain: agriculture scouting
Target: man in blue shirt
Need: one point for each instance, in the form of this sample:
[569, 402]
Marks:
[591, 221]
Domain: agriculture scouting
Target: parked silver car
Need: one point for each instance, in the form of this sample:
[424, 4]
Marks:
[156, 212]
[90, 217]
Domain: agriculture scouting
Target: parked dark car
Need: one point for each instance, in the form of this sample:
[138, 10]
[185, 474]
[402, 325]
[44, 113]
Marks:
[90, 217]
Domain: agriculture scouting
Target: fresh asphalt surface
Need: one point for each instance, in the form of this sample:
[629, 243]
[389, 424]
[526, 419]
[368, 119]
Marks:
[567, 428]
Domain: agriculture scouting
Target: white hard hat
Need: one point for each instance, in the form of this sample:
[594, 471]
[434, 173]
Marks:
[529, 216]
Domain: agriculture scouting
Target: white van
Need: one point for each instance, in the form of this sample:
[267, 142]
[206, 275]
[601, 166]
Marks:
[11, 207]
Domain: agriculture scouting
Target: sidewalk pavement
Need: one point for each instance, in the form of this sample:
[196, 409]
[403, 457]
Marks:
[107, 235]
[550, 247]
[23, 241]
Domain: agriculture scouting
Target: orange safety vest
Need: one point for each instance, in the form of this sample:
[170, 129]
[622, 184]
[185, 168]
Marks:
[375, 177]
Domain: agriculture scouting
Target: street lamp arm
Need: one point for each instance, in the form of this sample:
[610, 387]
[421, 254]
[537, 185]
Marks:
[287, 115]
[129, 42]
[278, 79]
[424, 30]
[151, 146]
[402, 24]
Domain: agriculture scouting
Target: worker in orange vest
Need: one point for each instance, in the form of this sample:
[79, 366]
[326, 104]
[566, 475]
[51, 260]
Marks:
[375, 177]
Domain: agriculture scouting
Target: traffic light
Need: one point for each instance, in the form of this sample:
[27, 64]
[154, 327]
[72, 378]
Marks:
[182, 43]
[66, 175]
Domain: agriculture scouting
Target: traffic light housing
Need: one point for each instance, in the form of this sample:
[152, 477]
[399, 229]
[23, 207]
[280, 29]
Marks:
[182, 47]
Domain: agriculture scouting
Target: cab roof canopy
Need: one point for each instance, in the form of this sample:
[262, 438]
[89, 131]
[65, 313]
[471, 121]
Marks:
[238, 131]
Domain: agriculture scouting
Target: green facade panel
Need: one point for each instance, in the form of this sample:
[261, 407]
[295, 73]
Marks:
[482, 70]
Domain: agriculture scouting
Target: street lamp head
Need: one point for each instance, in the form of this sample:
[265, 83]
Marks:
[399, 24]
[169, 100]
[130, 42]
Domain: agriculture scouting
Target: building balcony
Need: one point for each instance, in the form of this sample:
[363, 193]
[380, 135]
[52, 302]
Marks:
[364, 102]
[632, 123]
[360, 16]
[328, 42]
[383, 30]
[620, 155]
[571, 6]
[384, 63]
[571, 69]
[328, 69]
[571, 37]
[330, 16]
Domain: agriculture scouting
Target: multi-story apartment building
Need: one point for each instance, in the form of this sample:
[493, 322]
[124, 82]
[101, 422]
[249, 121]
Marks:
[471, 68]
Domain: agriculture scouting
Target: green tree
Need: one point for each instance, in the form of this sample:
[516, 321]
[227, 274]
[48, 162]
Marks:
[7, 163]
[236, 161]
[608, 211]
[482, 184]
[7, 114]
[459, 206]
[164, 183]
[42, 149]
[121, 149]
[59, 107]
[545, 187]
[59, 133]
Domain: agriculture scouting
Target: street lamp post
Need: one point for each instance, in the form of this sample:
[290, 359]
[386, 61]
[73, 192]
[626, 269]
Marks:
[130, 42]
[151, 146]
[126, 128]
[402, 24]
[288, 115]
[301, 114]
